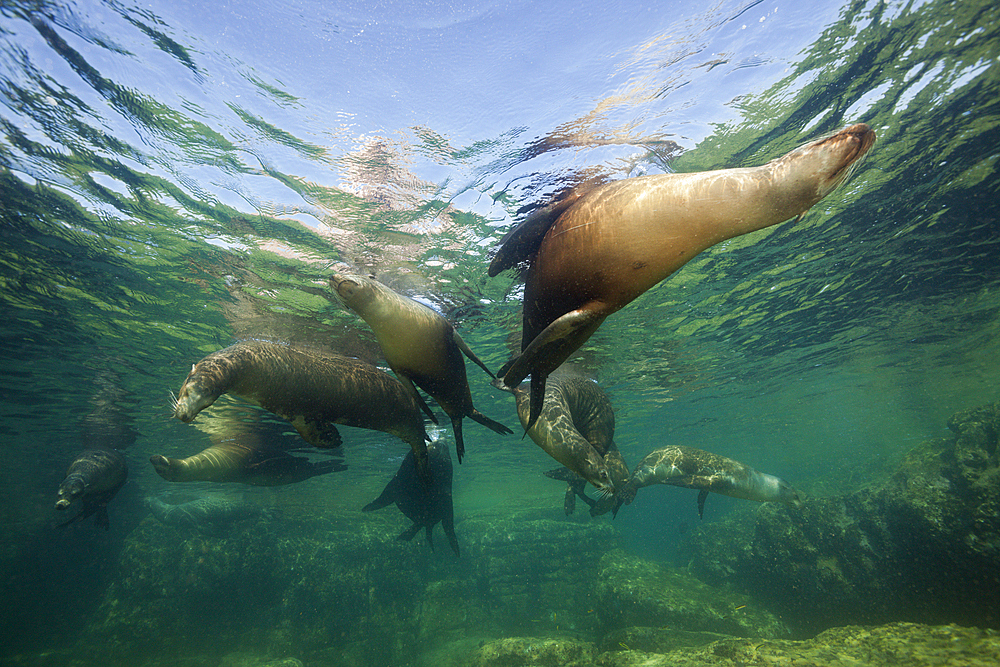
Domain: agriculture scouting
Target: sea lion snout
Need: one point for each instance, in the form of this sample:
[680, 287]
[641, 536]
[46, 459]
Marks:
[70, 489]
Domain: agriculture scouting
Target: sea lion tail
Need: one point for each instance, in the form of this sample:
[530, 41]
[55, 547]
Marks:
[494, 426]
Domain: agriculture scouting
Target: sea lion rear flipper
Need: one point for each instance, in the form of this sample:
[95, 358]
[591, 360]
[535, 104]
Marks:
[464, 347]
[408, 534]
[456, 425]
[494, 426]
[102, 520]
[430, 535]
[322, 434]
[701, 503]
[408, 383]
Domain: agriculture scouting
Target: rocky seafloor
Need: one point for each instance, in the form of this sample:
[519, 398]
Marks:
[917, 558]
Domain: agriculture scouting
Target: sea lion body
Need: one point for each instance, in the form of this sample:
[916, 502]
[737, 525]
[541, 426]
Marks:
[420, 346]
[697, 469]
[573, 406]
[424, 505]
[235, 460]
[313, 391]
[619, 239]
[94, 477]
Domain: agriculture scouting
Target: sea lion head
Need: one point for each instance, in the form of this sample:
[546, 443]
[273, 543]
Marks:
[202, 386]
[788, 495]
[165, 467]
[72, 488]
[824, 164]
[356, 292]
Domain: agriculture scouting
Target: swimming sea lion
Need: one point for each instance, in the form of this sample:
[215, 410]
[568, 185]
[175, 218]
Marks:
[314, 391]
[697, 469]
[619, 239]
[422, 504]
[235, 460]
[420, 346]
[569, 407]
[593, 417]
[94, 476]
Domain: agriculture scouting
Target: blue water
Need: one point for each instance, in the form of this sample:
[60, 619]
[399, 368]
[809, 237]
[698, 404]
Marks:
[178, 175]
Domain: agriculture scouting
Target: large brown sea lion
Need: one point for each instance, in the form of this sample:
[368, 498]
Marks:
[94, 477]
[576, 427]
[617, 240]
[314, 391]
[422, 504]
[420, 346]
[697, 469]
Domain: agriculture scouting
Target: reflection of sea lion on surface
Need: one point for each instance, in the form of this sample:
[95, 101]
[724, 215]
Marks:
[314, 391]
[212, 514]
[592, 258]
[94, 476]
[420, 346]
[576, 414]
[422, 504]
[235, 460]
[245, 449]
[697, 469]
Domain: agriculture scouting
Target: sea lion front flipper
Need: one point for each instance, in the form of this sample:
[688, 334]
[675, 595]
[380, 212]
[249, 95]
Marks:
[549, 350]
[408, 534]
[494, 426]
[387, 498]
[467, 351]
[430, 535]
[322, 434]
[569, 501]
[408, 383]
[702, 495]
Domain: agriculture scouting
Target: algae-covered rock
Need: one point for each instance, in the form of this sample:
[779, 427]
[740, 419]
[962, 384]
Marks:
[907, 644]
[631, 591]
[524, 651]
[924, 546]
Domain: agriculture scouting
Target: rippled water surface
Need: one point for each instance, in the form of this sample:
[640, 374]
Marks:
[175, 176]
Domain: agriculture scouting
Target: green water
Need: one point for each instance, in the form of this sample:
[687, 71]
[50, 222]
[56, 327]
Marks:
[165, 193]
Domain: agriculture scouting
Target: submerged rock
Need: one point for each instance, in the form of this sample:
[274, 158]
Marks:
[853, 646]
[630, 592]
[924, 546]
[548, 651]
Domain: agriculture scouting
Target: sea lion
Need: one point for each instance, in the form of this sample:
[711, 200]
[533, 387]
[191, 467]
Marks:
[314, 391]
[422, 504]
[617, 240]
[211, 514]
[94, 476]
[576, 486]
[420, 346]
[233, 460]
[573, 406]
[697, 469]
